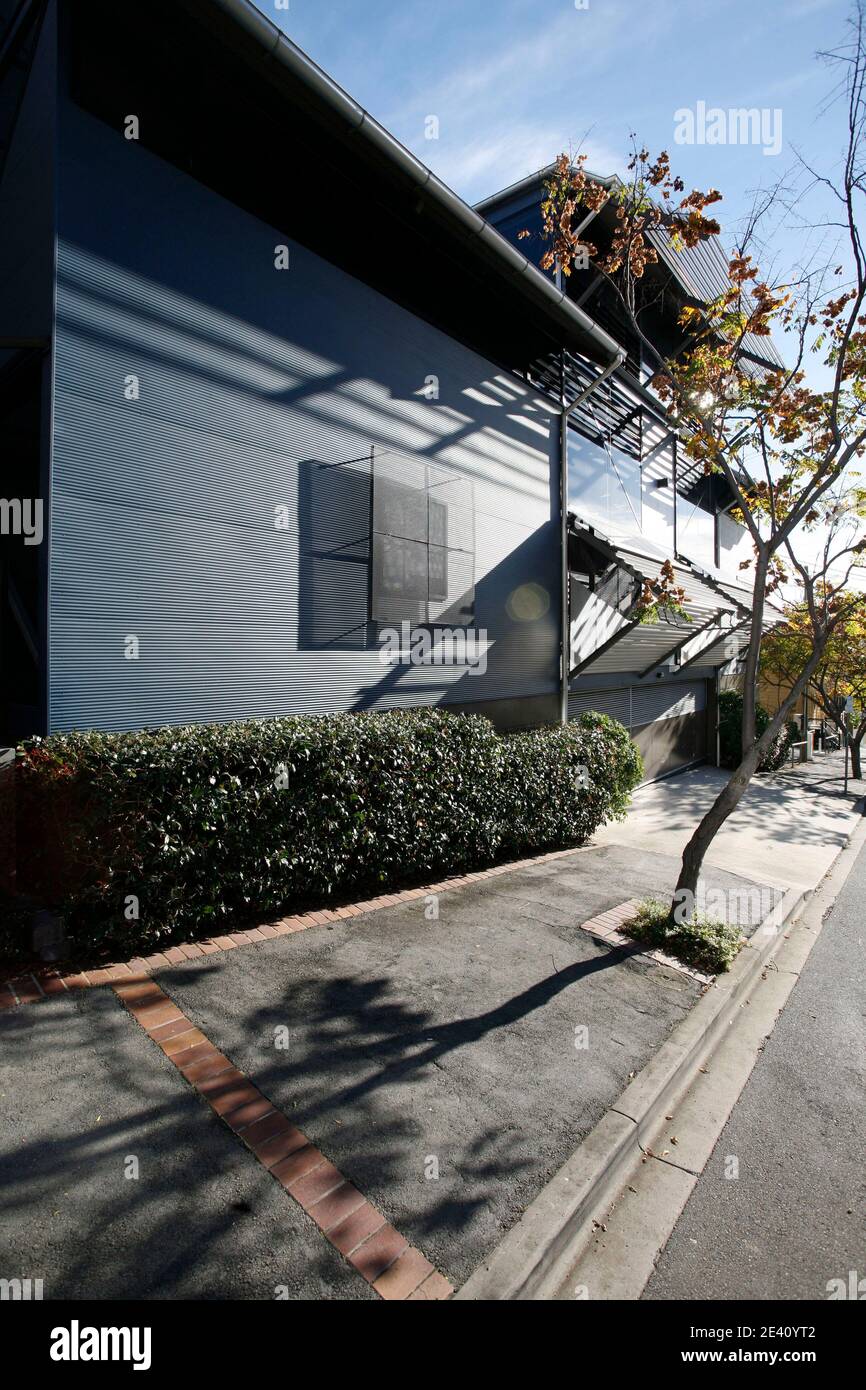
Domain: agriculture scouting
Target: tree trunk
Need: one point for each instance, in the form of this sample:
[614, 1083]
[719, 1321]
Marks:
[685, 894]
[856, 767]
[750, 673]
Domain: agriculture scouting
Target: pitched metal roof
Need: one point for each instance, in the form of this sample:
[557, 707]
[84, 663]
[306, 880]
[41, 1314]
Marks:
[700, 271]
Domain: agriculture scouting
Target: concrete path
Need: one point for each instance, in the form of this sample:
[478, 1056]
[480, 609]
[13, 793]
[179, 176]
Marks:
[795, 1218]
[119, 1183]
[431, 1058]
[787, 830]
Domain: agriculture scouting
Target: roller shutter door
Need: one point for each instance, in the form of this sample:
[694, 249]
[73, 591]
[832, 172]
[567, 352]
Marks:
[666, 721]
[667, 701]
[616, 703]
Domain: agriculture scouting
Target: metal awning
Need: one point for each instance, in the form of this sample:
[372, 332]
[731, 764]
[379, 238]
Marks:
[714, 611]
[730, 647]
[637, 646]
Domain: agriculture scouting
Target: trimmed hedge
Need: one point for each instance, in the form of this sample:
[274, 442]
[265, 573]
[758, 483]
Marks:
[731, 733]
[557, 785]
[211, 824]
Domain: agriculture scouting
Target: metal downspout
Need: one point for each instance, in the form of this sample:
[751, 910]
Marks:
[565, 615]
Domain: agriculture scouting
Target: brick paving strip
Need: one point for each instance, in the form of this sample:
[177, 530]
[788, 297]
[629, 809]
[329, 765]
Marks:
[607, 926]
[34, 986]
[353, 1226]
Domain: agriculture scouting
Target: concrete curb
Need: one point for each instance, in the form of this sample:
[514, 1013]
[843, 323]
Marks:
[617, 1262]
[532, 1259]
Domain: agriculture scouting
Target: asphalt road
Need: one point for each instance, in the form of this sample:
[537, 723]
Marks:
[795, 1217]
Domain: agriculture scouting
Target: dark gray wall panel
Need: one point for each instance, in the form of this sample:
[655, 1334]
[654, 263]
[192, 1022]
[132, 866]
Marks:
[27, 194]
[669, 744]
[253, 383]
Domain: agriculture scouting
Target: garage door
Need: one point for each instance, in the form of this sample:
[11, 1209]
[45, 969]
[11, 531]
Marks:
[667, 722]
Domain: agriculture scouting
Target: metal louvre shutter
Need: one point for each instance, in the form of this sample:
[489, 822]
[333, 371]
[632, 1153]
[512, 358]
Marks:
[651, 703]
[615, 703]
[635, 707]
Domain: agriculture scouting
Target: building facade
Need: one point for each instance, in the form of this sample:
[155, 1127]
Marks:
[294, 413]
[635, 501]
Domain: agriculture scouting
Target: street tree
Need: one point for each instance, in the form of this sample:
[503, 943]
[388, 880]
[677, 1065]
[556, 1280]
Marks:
[785, 439]
[840, 674]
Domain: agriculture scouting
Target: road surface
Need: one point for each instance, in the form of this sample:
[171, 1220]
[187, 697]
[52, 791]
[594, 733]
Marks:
[795, 1217]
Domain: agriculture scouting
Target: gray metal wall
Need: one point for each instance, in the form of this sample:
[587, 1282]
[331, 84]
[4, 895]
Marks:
[251, 381]
[26, 193]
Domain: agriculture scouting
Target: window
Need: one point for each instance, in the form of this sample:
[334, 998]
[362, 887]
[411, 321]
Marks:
[423, 544]
[604, 484]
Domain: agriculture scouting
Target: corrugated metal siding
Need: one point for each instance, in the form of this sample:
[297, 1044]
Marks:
[251, 380]
[640, 705]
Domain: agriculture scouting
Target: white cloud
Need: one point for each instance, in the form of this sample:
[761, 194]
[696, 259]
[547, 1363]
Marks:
[481, 167]
[508, 113]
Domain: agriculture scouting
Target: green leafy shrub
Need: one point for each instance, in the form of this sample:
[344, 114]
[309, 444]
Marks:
[731, 733]
[560, 783]
[704, 944]
[175, 830]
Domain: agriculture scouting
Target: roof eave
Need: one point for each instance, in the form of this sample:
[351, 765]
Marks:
[577, 329]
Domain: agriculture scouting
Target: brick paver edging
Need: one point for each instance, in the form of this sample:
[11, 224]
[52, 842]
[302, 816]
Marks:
[607, 925]
[394, 1268]
[30, 987]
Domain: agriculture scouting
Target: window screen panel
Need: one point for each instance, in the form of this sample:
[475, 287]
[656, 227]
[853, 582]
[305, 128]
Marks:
[437, 520]
[453, 507]
[423, 547]
[456, 606]
[437, 571]
[400, 582]
[400, 510]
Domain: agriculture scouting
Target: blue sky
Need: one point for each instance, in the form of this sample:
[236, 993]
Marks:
[514, 82]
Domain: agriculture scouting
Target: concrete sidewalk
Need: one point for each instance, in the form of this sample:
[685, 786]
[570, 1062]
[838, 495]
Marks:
[116, 1183]
[447, 1055]
[435, 1063]
[786, 831]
